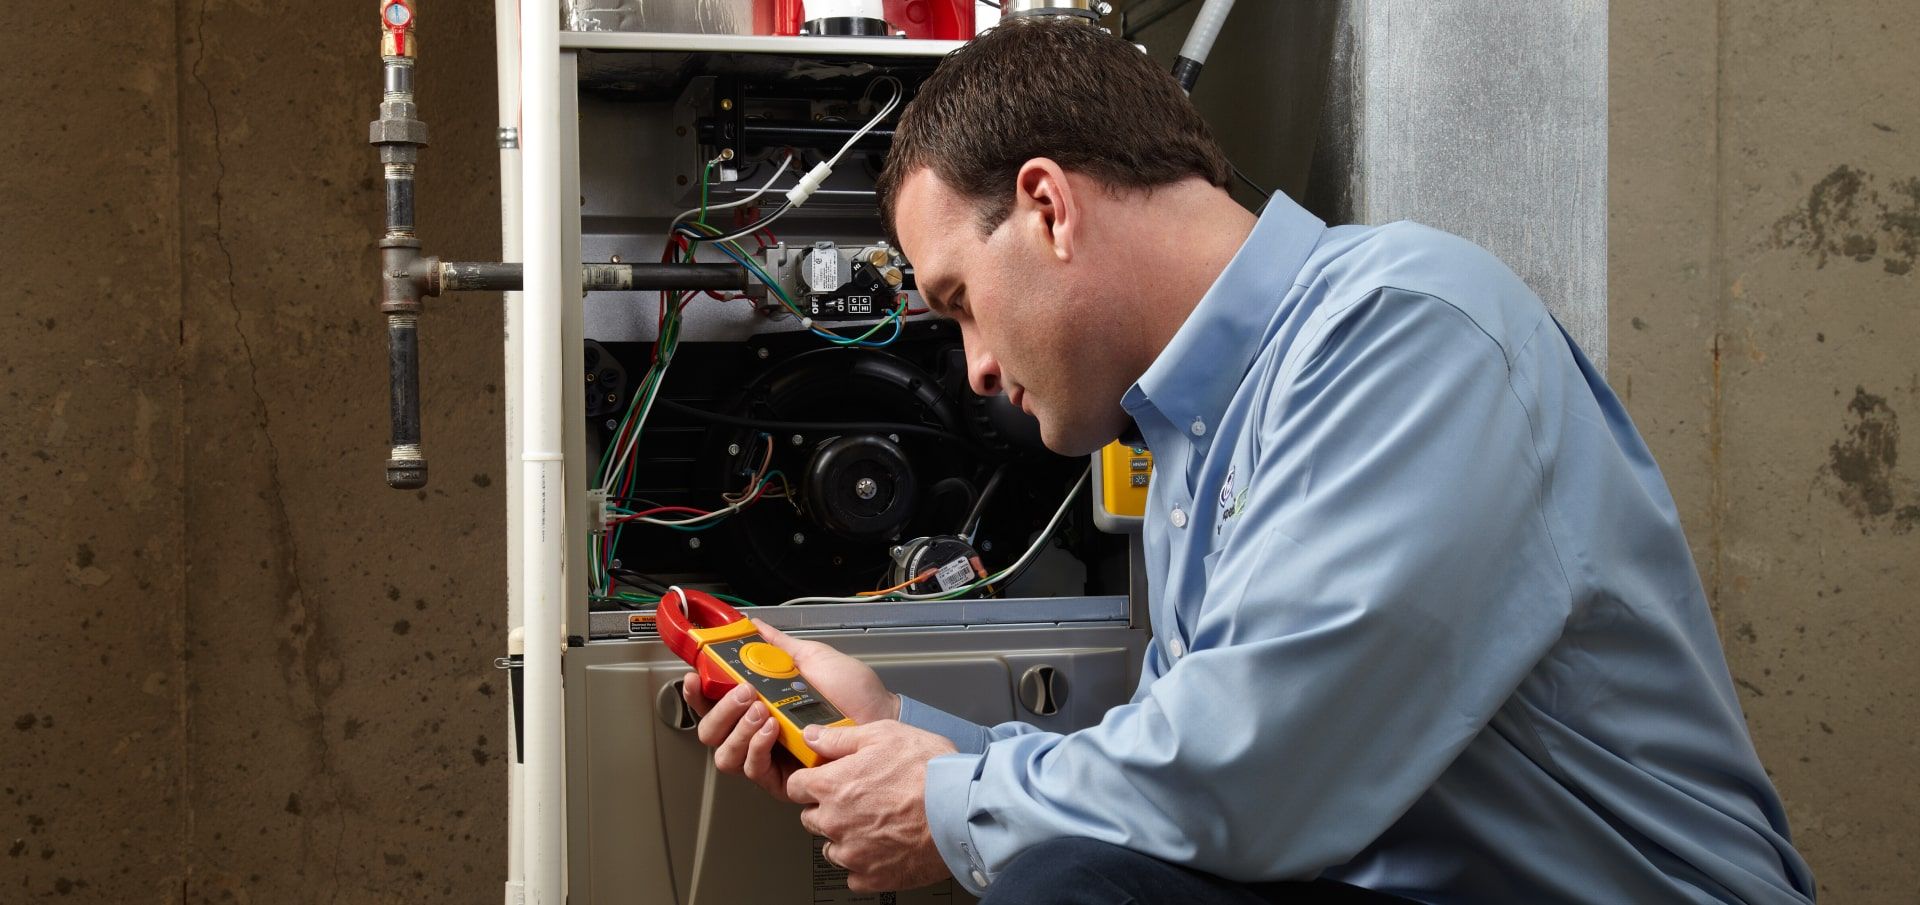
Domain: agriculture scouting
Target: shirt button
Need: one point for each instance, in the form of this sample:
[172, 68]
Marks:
[979, 879]
[1198, 427]
[1176, 648]
[1179, 517]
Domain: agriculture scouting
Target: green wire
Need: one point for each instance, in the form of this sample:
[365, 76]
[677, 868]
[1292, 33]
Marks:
[754, 266]
[706, 175]
[787, 300]
[649, 598]
[898, 313]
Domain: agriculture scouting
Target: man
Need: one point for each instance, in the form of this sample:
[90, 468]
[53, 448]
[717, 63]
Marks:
[1425, 624]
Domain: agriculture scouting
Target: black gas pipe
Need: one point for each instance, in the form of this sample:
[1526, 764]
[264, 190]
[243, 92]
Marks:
[406, 276]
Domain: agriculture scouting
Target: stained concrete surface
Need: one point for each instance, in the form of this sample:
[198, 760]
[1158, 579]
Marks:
[345, 726]
[254, 674]
[1766, 209]
[91, 755]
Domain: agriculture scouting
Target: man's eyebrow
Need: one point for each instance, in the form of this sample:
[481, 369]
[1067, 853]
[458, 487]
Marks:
[932, 297]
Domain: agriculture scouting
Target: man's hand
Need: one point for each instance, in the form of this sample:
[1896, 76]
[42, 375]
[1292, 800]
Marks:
[742, 735]
[869, 800]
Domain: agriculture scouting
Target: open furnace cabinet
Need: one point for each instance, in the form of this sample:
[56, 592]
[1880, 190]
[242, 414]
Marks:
[862, 465]
[613, 800]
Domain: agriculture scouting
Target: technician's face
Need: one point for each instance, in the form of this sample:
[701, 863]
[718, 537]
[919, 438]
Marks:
[1030, 320]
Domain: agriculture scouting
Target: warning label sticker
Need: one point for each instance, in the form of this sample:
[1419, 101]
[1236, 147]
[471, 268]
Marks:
[954, 574]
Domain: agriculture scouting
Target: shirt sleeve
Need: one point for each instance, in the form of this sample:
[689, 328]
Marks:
[1390, 582]
[967, 736]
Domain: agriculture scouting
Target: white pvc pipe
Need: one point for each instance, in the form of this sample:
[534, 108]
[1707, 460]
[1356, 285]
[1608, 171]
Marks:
[541, 448]
[1206, 27]
[506, 44]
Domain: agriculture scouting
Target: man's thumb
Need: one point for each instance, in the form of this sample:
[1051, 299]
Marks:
[833, 742]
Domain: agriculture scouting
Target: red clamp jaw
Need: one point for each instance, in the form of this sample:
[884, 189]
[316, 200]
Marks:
[691, 620]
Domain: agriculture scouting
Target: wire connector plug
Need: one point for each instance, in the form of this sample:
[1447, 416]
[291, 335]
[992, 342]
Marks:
[808, 184]
[597, 510]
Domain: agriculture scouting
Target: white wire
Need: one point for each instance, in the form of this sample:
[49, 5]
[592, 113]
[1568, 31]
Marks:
[684, 215]
[717, 513]
[886, 110]
[892, 103]
[1039, 543]
[633, 439]
[749, 229]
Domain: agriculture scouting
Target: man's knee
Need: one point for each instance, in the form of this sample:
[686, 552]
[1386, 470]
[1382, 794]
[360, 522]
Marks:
[1065, 871]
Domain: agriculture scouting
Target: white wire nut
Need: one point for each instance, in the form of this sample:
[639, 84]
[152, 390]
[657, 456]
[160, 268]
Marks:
[806, 322]
[809, 184]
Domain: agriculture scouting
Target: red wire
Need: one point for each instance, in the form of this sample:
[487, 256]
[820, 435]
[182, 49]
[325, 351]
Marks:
[649, 513]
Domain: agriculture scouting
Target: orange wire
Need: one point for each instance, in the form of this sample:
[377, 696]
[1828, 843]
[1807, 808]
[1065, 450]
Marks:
[755, 483]
[908, 583]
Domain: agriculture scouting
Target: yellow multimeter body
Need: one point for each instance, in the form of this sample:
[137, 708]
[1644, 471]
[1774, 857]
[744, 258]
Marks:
[1123, 472]
[731, 653]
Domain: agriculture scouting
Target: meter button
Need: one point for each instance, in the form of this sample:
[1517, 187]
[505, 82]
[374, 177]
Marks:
[768, 660]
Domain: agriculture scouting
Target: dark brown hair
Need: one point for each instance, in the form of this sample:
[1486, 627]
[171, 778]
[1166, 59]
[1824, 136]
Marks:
[1052, 88]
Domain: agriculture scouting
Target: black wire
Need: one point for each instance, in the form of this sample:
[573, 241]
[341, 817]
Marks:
[643, 501]
[628, 576]
[991, 3]
[1249, 181]
[765, 220]
[1003, 584]
[879, 427]
[972, 524]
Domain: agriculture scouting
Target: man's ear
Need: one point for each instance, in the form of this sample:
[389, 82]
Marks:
[1045, 207]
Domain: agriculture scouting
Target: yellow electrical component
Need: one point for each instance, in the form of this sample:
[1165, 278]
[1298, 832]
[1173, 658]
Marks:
[1125, 472]
[726, 651]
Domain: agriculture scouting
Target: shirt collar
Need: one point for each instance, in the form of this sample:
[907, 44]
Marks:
[1197, 374]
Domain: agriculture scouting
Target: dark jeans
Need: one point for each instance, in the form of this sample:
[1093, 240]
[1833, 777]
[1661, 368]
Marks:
[1085, 872]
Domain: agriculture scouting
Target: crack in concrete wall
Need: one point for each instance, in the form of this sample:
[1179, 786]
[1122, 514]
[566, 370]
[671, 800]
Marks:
[307, 663]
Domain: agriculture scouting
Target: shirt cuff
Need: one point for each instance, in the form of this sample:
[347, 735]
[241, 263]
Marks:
[949, 783]
[968, 737]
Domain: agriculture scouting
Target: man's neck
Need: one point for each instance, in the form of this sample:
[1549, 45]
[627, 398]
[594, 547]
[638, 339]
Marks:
[1189, 232]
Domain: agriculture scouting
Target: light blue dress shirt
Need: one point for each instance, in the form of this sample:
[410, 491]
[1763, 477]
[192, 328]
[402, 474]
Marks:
[1424, 619]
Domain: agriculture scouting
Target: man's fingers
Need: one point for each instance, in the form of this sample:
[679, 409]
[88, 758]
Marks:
[731, 754]
[799, 649]
[759, 763]
[801, 786]
[810, 820]
[835, 742]
[719, 721]
[690, 692]
[864, 883]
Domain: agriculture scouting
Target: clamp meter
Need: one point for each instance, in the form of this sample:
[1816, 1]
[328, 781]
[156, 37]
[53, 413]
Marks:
[722, 647]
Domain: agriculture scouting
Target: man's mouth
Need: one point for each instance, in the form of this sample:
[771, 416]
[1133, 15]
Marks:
[1018, 397]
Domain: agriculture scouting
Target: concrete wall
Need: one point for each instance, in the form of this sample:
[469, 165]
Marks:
[250, 673]
[1765, 317]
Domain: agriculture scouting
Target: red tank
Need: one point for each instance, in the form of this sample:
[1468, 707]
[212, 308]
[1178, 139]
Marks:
[938, 20]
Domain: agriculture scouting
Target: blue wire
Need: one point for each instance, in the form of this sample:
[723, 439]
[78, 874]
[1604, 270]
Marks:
[835, 338]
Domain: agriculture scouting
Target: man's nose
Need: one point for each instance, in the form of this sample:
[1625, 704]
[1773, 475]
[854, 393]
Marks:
[983, 372]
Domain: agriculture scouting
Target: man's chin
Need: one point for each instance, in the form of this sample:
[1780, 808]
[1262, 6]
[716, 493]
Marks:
[1069, 441]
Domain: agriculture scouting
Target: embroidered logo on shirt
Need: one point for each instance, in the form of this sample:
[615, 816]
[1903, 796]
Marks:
[1230, 504]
